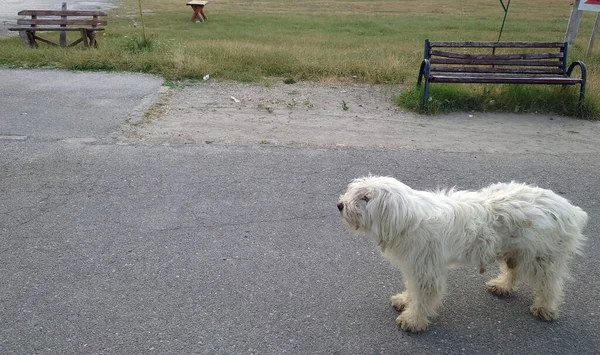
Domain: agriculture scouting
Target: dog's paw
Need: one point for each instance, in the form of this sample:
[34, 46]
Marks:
[544, 313]
[399, 301]
[411, 324]
[497, 289]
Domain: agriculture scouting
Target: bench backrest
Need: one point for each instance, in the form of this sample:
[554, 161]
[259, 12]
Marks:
[61, 18]
[497, 57]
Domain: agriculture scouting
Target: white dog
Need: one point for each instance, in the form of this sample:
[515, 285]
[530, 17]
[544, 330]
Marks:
[531, 232]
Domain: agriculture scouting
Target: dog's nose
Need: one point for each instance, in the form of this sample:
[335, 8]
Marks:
[340, 206]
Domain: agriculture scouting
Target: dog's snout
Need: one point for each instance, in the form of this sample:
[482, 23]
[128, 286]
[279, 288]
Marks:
[340, 206]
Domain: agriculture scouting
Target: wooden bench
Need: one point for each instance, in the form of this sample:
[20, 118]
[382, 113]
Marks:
[498, 63]
[84, 22]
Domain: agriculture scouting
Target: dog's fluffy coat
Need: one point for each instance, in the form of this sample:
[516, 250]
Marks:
[530, 231]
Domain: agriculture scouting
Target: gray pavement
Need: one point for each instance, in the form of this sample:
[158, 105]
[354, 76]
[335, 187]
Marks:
[55, 104]
[122, 247]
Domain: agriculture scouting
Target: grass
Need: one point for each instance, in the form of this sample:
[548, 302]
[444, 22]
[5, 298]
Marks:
[358, 40]
[501, 98]
[139, 44]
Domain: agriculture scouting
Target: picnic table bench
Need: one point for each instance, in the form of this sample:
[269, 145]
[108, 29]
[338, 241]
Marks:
[515, 63]
[84, 22]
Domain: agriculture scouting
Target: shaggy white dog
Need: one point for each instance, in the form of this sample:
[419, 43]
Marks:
[530, 231]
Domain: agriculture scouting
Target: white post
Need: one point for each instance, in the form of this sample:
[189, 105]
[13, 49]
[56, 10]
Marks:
[573, 25]
[594, 32]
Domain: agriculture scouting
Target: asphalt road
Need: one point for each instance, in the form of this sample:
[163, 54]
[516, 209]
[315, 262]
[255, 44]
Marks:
[112, 247]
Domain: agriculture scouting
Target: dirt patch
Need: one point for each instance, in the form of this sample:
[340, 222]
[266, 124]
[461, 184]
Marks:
[346, 115]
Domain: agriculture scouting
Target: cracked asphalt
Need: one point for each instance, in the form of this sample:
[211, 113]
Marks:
[111, 246]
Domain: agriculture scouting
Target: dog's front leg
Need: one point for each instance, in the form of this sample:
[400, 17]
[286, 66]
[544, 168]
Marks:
[401, 300]
[425, 293]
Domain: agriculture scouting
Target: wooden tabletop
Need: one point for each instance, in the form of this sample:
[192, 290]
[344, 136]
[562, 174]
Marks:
[197, 2]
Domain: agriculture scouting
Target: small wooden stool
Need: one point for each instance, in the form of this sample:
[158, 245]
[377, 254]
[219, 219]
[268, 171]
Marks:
[198, 6]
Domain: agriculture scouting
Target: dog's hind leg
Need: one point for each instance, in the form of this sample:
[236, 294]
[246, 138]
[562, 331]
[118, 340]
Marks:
[548, 289]
[506, 281]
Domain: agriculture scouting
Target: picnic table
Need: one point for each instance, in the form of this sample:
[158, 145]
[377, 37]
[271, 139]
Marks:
[198, 7]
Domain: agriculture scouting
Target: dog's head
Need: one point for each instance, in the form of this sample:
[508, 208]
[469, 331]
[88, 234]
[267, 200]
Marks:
[376, 205]
[353, 205]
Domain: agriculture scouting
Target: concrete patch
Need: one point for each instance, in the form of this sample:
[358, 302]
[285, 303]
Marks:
[79, 140]
[12, 138]
[58, 104]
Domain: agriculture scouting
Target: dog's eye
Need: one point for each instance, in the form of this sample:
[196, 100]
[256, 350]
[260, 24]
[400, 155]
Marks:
[365, 198]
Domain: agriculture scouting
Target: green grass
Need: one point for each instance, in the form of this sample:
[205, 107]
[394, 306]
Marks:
[360, 40]
[139, 44]
[448, 98]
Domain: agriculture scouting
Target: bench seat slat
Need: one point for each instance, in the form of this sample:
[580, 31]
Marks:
[499, 75]
[512, 62]
[499, 44]
[60, 13]
[511, 56]
[61, 22]
[522, 79]
[514, 70]
[41, 29]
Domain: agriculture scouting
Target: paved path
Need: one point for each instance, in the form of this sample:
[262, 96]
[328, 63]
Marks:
[115, 244]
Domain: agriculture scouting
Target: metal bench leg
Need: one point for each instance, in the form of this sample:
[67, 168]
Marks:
[583, 69]
[425, 94]
[421, 73]
[581, 92]
[424, 73]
